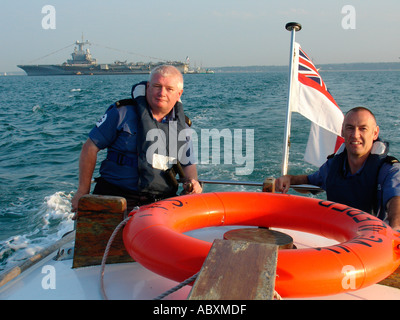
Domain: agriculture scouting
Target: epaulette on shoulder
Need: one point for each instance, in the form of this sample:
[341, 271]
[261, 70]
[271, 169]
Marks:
[391, 160]
[188, 121]
[124, 102]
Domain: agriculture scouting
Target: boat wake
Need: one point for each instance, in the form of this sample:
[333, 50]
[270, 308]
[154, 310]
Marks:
[51, 221]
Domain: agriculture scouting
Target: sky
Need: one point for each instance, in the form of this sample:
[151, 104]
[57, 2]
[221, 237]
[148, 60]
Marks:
[213, 33]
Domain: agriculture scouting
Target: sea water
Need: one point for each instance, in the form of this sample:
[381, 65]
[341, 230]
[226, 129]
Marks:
[45, 120]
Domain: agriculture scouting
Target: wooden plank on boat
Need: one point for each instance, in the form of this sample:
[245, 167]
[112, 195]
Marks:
[393, 280]
[237, 270]
[98, 216]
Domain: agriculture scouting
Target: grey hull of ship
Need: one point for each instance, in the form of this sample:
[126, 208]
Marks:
[58, 70]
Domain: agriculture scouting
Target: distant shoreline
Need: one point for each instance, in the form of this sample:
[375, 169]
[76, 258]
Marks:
[378, 66]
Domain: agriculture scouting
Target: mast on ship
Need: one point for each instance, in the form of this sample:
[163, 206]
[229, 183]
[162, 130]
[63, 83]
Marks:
[81, 56]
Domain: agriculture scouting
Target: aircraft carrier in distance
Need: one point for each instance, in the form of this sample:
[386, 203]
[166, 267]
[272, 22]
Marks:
[82, 63]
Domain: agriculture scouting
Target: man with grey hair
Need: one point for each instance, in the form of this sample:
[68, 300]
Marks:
[143, 138]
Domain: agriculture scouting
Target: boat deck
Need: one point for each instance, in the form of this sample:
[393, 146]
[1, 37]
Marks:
[131, 281]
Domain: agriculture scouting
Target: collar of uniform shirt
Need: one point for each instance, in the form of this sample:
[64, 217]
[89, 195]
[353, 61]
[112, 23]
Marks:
[169, 117]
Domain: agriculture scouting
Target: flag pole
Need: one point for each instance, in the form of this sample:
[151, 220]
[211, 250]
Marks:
[292, 27]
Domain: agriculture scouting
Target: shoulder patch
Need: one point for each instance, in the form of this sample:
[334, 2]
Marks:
[101, 121]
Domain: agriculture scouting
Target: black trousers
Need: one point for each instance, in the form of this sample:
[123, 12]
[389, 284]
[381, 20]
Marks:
[133, 199]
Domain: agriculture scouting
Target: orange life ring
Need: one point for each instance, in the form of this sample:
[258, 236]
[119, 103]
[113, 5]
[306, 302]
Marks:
[368, 249]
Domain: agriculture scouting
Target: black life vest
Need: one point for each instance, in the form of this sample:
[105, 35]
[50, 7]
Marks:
[152, 178]
[359, 190]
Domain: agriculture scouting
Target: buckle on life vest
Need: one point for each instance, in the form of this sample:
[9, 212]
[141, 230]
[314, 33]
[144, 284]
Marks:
[171, 174]
[120, 158]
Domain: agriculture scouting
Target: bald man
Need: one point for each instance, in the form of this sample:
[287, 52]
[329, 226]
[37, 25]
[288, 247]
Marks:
[360, 174]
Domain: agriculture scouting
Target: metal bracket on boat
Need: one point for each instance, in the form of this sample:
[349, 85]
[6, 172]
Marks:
[65, 254]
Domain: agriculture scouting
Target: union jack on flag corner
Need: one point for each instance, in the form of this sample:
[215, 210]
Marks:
[310, 97]
[308, 72]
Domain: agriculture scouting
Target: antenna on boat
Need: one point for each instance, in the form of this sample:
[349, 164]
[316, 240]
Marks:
[292, 27]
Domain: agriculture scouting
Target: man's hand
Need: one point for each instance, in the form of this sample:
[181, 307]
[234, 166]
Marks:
[75, 200]
[191, 176]
[282, 184]
[192, 186]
